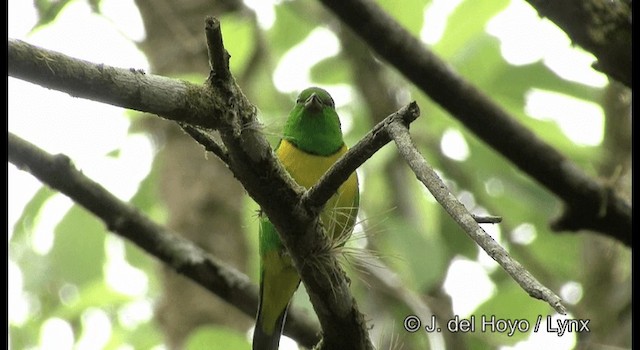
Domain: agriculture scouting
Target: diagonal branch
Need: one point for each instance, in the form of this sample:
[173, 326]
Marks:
[184, 257]
[583, 196]
[461, 215]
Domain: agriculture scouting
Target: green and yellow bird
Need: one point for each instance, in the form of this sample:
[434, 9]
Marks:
[311, 143]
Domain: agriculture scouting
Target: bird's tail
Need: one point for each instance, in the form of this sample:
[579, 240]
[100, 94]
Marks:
[263, 340]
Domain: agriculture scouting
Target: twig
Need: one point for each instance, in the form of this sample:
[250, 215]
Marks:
[209, 143]
[184, 257]
[461, 215]
[487, 219]
[490, 122]
[218, 55]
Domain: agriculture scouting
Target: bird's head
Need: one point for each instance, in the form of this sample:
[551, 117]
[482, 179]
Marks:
[313, 124]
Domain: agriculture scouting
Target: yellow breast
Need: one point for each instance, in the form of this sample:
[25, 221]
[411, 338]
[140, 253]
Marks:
[340, 212]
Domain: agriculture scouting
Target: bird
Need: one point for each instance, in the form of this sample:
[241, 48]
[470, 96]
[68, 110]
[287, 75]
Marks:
[311, 143]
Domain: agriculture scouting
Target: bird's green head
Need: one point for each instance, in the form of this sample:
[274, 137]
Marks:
[313, 125]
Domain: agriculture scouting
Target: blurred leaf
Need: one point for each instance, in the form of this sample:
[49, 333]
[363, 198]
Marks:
[26, 221]
[517, 80]
[144, 336]
[48, 10]
[562, 253]
[23, 337]
[508, 85]
[466, 24]
[410, 14]
[147, 199]
[330, 71]
[288, 30]
[114, 154]
[512, 304]
[420, 261]
[95, 5]
[93, 294]
[78, 254]
[239, 40]
[209, 337]
[482, 63]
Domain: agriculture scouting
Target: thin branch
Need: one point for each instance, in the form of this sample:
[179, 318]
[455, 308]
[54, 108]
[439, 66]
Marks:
[461, 215]
[319, 194]
[487, 219]
[601, 27]
[183, 256]
[218, 56]
[491, 123]
[206, 140]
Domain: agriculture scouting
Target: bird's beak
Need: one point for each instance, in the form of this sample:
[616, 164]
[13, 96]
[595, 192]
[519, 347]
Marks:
[313, 103]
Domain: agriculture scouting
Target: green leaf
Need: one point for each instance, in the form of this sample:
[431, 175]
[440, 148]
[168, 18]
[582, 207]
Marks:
[48, 10]
[466, 24]
[410, 13]
[289, 28]
[421, 260]
[145, 336]
[78, 251]
[330, 71]
[93, 294]
[483, 65]
[517, 80]
[30, 214]
[560, 253]
[511, 304]
[147, 198]
[209, 337]
[239, 40]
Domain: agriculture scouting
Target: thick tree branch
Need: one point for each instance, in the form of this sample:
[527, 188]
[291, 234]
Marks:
[128, 88]
[58, 172]
[461, 215]
[602, 27]
[583, 196]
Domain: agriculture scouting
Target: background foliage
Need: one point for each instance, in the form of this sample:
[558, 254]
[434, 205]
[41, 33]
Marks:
[402, 224]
